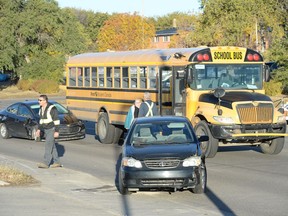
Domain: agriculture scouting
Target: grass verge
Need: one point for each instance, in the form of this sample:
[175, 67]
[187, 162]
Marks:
[15, 177]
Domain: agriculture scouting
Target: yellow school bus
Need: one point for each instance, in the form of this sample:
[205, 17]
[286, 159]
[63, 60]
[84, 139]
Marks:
[220, 89]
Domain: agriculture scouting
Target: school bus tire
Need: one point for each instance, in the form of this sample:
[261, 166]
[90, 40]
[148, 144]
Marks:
[105, 131]
[117, 135]
[210, 147]
[274, 147]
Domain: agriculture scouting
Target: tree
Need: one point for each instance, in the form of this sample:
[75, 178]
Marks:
[125, 32]
[236, 22]
[278, 51]
[41, 36]
[185, 24]
[9, 56]
[92, 22]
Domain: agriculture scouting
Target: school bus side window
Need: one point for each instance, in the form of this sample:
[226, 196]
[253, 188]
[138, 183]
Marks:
[109, 76]
[152, 77]
[133, 74]
[101, 76]
[72, 76]
[166, 76]
[80, 76]
[87, 76]
[94, 77]
[125, 78]
[143, 77]
[117, 77]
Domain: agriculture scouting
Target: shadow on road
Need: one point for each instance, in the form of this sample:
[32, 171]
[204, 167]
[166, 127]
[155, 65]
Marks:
[240, 148]
[223, 208]
[60, 149]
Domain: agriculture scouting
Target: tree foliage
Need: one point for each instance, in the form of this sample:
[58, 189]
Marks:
[38, 38]
[8, 43]
[92, 22]
[236, 22]
[125, 32]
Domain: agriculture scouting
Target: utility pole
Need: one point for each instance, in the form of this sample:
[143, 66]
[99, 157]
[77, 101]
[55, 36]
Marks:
[142, 24]
[256, 32]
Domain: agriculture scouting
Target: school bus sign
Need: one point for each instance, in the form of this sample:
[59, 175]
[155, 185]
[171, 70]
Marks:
[234, 55]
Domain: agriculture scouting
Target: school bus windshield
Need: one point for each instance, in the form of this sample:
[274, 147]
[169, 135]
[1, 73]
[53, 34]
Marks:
[211, 76]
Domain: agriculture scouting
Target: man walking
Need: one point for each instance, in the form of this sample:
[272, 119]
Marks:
[49, 123]
[148, 107]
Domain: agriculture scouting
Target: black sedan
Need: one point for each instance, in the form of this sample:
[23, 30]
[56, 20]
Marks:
[162, 153]
[21, 120]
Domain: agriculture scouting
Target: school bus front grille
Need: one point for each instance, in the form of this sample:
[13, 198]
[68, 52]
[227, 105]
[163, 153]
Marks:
[255, 114]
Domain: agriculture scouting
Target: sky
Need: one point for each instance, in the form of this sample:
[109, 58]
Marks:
[147, 8]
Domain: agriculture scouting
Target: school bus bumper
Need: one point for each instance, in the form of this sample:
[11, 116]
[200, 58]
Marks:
[256, 131]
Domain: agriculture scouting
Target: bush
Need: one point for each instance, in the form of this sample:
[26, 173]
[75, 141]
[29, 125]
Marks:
[273, 88]
[25, 85]
[46, 86]
[40, 86]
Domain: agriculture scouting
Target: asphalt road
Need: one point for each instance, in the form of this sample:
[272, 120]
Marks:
[241, 180]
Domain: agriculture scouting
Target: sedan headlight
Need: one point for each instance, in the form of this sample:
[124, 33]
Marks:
[224, 120]
[131, 162]
[192, 161]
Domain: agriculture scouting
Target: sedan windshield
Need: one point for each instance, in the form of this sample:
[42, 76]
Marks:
[162, 133]
[60, 108]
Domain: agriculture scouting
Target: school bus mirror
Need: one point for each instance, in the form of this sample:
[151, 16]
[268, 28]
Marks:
[203, 138]
[219, 92]
[266, 74]
[220, 112]
[189, 80]
[281, 110]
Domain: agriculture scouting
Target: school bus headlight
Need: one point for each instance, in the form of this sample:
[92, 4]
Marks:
[224, 120]
[281, 119]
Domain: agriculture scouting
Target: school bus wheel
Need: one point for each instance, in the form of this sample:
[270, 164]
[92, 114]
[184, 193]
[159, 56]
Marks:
[210, 147]
[105, 131]
[274, 147]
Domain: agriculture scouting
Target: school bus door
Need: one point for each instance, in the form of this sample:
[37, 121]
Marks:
[179, 97]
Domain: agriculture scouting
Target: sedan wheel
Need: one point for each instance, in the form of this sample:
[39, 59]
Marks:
[122, 189]
[202, 184]
[4, 131]
[33, 134]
